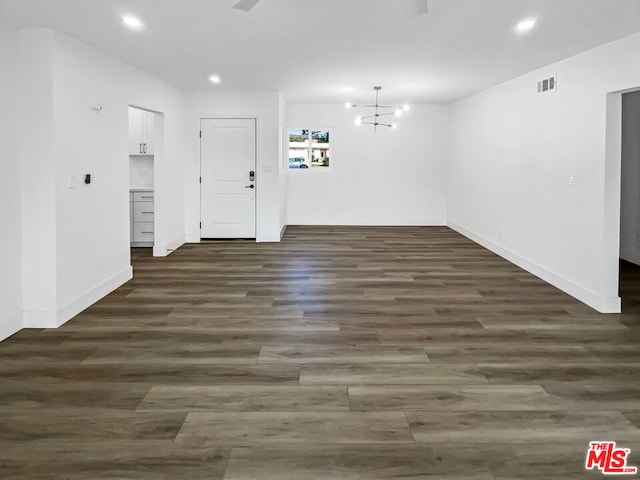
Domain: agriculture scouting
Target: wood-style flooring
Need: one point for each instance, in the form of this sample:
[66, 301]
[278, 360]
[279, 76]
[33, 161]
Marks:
[341, 353]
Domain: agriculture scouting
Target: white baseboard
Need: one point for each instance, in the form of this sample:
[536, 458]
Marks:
[49, 319]
[595, 301]
[165, 250]
[269, 237]
[282, 230]
[40, 319]
[10, 325]
[90, 297]
[192, 238]
[370, 222]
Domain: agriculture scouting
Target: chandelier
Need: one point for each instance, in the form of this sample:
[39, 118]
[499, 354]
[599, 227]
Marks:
[380, 112]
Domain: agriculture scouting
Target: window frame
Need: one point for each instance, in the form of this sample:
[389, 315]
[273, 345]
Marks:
[310, 129]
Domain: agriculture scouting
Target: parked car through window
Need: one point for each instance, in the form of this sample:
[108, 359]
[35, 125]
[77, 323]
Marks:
[298, 162]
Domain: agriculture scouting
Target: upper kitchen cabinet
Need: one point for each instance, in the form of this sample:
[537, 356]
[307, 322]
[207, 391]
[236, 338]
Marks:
[140, 132]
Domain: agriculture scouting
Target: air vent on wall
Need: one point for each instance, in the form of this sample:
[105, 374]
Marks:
[547, 85]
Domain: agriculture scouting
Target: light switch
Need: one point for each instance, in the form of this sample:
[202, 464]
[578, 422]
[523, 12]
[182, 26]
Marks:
[73, 181]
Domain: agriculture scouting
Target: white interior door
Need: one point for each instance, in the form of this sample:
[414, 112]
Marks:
[227, 169]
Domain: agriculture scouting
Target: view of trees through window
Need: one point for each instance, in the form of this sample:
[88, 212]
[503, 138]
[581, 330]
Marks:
[309, 148]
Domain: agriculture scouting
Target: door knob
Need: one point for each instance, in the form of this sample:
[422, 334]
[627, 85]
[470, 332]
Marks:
[250, 186]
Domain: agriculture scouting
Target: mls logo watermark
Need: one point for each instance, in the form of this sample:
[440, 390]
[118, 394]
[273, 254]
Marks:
[608, 459]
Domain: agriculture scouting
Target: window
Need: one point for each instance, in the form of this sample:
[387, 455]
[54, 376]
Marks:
[310, 148]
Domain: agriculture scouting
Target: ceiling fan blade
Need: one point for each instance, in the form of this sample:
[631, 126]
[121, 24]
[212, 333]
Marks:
[416, 8]
[245, 5]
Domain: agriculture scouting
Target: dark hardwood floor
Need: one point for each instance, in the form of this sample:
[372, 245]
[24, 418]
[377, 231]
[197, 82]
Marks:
[340, 353]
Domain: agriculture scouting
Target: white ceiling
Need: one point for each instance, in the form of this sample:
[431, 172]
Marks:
[336, 50]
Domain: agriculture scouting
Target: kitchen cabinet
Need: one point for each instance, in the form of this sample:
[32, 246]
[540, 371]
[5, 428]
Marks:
[140, 132]
[142, 218]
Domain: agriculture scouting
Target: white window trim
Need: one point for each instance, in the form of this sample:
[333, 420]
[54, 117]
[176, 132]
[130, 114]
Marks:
[307, 171]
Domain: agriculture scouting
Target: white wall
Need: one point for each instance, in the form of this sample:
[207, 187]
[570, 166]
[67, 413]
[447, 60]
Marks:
[93, 221]
[630, 185]
[388, 177]
[265, 107]
[76, 240]
[141, 172]
[35, 114]
[513, 151]
[10, 196]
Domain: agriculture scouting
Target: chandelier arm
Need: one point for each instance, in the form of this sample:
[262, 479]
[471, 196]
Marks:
[380, 111]
[374, 106]
[378, 124]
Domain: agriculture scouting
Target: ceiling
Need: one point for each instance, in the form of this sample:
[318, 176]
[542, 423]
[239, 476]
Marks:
[336, 50]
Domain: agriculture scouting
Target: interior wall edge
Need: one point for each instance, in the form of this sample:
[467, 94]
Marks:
[11, 325]
[40, 319]
[168, 249]
[268, 237]
[586, 296]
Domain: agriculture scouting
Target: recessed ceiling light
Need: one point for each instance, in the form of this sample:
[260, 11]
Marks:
[215, 79]
[525, 26]
[132, 22]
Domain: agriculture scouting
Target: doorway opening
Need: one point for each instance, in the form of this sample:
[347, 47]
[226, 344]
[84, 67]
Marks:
[146, 149]
[629, 269]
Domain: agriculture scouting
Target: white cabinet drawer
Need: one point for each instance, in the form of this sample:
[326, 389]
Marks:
[143, 196]
[142, 218]
[143, 212]
[143, 232]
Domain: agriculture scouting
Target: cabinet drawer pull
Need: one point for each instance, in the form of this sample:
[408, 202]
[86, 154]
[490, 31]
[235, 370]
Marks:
[146, 212]
[144, 148]
[147, 232]
[140, 148]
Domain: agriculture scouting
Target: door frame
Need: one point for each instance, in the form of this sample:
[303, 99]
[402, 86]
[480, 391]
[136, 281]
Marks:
[162, 246]
[613, 198]
[255, 118]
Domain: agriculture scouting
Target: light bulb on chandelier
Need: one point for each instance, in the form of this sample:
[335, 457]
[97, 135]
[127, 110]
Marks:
[379, 112]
